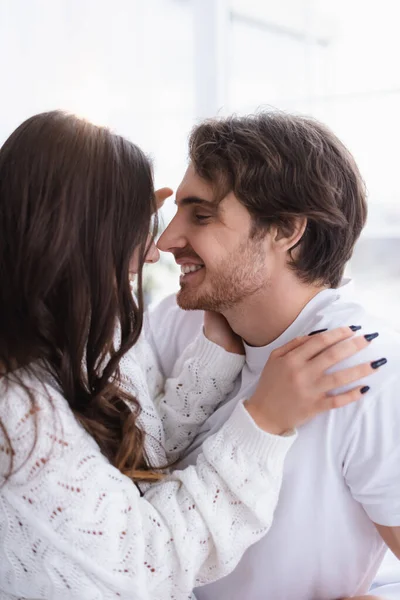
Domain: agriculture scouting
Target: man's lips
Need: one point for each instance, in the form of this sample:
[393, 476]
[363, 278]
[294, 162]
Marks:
[188, 261]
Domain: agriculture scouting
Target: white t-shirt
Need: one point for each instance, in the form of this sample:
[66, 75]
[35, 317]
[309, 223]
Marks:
[343, 475]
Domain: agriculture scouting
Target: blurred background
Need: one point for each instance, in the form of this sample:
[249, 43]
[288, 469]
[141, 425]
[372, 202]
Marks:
[150, 69]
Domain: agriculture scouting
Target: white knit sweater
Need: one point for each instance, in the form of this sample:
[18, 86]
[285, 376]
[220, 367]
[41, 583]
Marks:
[73, 527]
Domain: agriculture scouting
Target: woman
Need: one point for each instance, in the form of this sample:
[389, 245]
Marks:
[79, 431]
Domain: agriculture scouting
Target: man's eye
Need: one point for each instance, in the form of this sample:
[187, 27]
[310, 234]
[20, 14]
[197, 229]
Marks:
[202, 217]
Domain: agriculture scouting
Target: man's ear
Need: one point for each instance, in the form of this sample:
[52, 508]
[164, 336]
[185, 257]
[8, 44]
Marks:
[286, 236]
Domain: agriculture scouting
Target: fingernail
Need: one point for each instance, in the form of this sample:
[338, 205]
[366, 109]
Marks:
[371, 336]
[317, 331]
[364, 389]
[355, 327]
[378, 363]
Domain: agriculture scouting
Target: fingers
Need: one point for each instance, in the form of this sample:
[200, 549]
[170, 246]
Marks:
[331, 402]
[218, 330]
[214, 319]
[336, 380]
[318, 343]
[290, 346]
[338, 352]
[162, 194]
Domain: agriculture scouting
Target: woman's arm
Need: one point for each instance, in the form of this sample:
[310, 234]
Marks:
[202, 377]
[80, 517]
[75, 526]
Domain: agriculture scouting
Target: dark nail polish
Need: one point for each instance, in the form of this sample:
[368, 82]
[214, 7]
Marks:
[317, 331]
[378, 363]
[364, 389]
[371, 336]
[355, 327]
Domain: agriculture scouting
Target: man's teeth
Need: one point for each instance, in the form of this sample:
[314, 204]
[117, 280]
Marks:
[185, 269]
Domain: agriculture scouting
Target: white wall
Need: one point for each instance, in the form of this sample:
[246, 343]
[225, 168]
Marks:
[149, 68]
[124, 63]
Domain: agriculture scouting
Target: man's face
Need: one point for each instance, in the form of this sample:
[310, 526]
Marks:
[221, 262]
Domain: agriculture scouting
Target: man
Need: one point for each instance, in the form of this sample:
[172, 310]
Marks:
[267, 217]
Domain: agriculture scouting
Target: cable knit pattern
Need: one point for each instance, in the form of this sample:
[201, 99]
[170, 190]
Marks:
[73, 527]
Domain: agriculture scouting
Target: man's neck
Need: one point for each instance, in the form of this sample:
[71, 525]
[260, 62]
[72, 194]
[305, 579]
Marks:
[261, 318]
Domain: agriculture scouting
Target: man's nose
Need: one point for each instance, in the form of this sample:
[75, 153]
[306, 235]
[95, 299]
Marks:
[172, 237]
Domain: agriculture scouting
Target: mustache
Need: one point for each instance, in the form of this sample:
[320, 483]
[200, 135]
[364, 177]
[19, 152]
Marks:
[186, 253]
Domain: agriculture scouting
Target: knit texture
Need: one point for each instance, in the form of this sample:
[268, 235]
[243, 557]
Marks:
[73, 527]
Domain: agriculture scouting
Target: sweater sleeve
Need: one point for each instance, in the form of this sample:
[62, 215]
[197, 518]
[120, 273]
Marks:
[75, 527]
[202, 377]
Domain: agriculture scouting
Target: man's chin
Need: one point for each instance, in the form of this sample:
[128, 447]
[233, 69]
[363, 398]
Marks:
[191, 301]
[188, 301]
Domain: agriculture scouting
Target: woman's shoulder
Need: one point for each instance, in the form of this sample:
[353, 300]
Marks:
[35, 422]
[26, 391]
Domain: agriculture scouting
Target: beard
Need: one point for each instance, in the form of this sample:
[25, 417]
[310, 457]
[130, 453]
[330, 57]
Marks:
[237, 277]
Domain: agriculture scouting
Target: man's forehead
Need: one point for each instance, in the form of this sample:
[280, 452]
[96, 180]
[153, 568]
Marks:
[193, 186]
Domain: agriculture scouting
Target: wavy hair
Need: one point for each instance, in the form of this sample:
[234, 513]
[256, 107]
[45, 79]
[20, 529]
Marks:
[283, 166]
[76, 201]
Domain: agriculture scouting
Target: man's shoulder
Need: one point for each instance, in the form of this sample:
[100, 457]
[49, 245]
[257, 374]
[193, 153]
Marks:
[348, 313]
[171, 329]
[168, 303]
[168, 316]
[386, 345]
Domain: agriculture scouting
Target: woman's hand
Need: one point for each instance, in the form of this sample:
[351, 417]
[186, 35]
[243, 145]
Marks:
[294, 385]
[218, 330]
[161, 195]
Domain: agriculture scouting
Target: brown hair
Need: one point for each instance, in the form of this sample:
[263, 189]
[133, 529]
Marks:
[281, 166]
[75, 202]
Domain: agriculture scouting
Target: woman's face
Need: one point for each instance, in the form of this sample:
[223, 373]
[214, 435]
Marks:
[152, 256]
[153, 253]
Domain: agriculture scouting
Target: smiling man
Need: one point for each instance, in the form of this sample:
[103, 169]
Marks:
[267, 217]
[226, 266]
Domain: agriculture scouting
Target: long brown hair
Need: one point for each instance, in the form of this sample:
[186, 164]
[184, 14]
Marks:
[76, 200]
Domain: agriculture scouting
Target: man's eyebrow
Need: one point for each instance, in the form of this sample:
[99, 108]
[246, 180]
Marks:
[190, 200]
